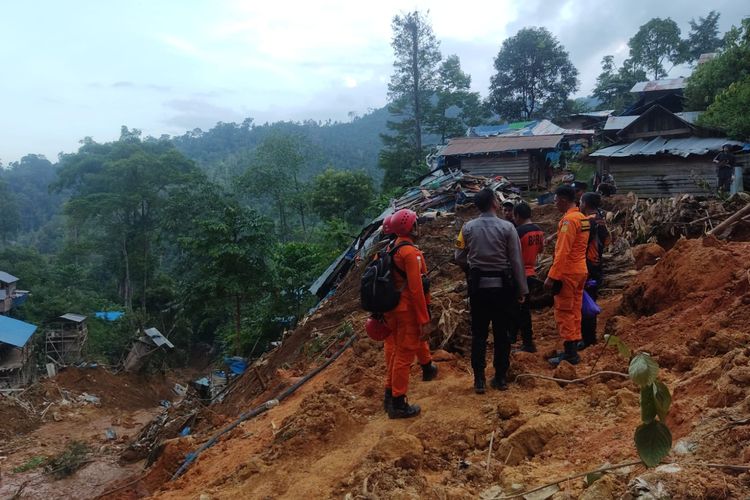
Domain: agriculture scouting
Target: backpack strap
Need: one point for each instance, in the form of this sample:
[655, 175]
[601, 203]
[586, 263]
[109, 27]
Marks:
[392, 253]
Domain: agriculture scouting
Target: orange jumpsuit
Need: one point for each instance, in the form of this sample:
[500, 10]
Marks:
[569, 267]
[405, 320]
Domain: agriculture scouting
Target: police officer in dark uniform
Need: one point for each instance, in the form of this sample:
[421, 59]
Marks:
[489, 250]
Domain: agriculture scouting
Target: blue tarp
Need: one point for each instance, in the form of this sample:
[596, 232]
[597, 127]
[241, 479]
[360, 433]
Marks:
[15, 332]
[109, 315]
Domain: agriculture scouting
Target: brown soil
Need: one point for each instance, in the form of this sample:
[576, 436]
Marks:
[124, 391]
[331, 438]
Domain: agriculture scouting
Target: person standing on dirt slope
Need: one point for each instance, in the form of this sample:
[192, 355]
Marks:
[531, 237]
[724, 168]
[489, 251]
[410, 319]
[424, 358]
[567, 276]
[599, 239]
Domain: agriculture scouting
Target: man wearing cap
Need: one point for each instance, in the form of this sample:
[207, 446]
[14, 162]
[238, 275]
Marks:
[567, 276]
[489, 250]
[580, 187]
[724, 168]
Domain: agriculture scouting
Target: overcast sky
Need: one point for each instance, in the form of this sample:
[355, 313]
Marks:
[78, 68]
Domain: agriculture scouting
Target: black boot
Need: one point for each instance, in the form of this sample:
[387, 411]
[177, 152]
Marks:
[387, 399]
[570, 355]
[480, 386]
[499, 383]
[429, 371]
[401, 409]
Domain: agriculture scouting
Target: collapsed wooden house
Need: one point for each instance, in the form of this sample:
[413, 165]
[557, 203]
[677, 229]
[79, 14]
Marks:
[16, 353]
[65, 338]
[516, 151]
[663, 154]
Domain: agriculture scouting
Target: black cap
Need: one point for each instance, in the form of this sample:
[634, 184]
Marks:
[508, 204]
[579, 185]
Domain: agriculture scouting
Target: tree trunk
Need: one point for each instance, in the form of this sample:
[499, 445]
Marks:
[237, 324]
[415, 77]
[126, 285]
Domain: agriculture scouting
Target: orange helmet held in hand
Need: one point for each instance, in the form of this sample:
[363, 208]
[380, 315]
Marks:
[377, 329]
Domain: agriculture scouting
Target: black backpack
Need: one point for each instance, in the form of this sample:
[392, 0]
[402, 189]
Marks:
[378, 292]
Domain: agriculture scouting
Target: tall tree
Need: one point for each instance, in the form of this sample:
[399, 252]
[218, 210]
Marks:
[10, 220]
[413, 82]
[275, 173]
[456, 107]
[534, 76]
[655, 43]
[224, 251]
[613, 85]
[342, 194]
[732, 64]
[118, 190]
[729, 110]
[704, 36]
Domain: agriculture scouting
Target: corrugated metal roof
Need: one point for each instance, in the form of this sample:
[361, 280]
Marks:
[157, 338]
[76, 318]
[679, 147]
[478, 145]
[15, 332]
[619, 122]
[596, 114]
[530, 128]
[657, 85]
[7, 278]
[689, 116]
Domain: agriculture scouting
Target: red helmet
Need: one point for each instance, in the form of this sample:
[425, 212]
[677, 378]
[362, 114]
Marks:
[377, 329]
[402, 222]
[387, 225]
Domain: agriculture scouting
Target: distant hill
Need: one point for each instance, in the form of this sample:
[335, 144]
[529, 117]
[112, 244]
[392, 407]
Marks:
[350, 145]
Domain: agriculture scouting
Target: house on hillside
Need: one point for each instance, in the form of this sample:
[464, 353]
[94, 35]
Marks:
[16, 361]
[661, 153]
[588, 120]
[10, 296]
[516, 151]
[65, 338]
[667, 93]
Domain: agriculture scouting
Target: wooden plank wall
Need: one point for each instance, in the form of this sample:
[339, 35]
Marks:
[659, 177]
[515, 168]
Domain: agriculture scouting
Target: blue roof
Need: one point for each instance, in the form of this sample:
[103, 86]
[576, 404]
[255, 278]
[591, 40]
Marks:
[7, 278]
[109, 315]
[15, 332]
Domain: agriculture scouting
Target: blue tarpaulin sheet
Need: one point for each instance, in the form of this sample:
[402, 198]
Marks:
[15, 332]
[109, 315]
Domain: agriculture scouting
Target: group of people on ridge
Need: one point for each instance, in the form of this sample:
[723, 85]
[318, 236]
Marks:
[499, 257]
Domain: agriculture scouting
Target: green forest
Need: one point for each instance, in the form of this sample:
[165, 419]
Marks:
[215, 236]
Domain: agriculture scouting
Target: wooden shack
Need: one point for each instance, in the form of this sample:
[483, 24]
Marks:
[65, 338]
[16, 353]
[662, 154]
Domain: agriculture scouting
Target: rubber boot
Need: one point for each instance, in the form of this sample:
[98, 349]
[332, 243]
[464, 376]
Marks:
[387, 399]
[570, 355]
[429, 371]
[401, 409]
[499, 383]
[480, 386]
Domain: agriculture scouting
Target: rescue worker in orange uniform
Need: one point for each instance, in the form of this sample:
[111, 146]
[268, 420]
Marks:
[599, 239]
[410, 320]
[567, 276]
[424, 358]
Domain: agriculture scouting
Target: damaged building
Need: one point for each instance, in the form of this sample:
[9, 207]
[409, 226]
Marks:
[16, 352]
[662, 154]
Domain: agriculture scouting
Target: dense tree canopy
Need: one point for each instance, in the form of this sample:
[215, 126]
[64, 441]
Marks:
[534, 76]
[342, 194]
[656, 42]
[613, 85]
[703, 37]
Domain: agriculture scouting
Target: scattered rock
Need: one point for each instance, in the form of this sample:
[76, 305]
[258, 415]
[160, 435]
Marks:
[530, 438]
[601, 489]
[647, 254]
[565, 371]
[404, 450]
[507, 408]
